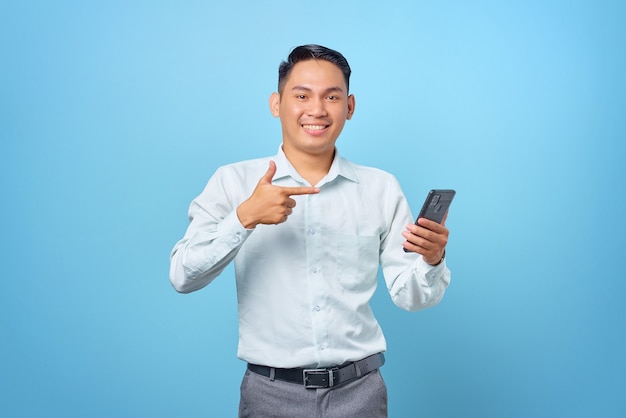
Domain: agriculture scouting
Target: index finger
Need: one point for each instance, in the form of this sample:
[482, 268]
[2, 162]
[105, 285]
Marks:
[292, 191]
[432, 225]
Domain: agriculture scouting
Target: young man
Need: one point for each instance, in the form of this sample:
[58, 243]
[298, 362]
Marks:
[307, 231]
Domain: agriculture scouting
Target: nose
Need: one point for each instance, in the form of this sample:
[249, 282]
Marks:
[317, 108]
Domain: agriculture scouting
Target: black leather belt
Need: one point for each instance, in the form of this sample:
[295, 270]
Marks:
[322, 378]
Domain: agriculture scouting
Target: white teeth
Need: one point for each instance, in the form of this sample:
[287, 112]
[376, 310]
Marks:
[314, 127]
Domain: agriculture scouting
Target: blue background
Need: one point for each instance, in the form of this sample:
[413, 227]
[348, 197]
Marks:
[114, 114]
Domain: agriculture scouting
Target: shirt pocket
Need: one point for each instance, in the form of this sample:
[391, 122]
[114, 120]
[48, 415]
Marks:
[357, 261]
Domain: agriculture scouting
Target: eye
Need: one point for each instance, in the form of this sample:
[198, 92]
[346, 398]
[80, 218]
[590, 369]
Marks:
[300, 97]
[333, 98]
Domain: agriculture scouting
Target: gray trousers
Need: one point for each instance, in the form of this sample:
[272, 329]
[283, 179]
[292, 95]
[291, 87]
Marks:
[261, 397]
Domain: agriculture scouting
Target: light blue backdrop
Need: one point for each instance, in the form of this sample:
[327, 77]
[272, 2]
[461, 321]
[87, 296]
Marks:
[114, 114]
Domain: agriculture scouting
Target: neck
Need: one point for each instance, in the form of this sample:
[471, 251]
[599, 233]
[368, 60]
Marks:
[312, 167]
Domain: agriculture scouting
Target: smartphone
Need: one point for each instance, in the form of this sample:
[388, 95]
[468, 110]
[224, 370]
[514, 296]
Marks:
[436, 205]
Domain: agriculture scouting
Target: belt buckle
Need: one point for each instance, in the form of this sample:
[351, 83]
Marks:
[318, 378]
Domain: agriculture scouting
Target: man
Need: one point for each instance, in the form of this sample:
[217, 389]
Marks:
[307, 231]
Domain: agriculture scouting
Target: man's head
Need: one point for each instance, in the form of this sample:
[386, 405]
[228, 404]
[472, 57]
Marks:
[313, 102]
[312, 52]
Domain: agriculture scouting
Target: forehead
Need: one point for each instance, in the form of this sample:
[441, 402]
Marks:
[316, 73]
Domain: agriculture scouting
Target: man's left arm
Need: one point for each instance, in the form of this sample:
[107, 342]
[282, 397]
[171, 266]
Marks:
[416, 279]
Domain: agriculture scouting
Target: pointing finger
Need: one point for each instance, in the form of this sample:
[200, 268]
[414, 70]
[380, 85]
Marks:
[292, 191]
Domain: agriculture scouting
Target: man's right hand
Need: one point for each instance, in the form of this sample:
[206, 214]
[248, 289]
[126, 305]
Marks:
[270, 204]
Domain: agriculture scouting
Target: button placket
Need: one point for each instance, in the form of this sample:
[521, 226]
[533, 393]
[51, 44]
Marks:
[315, 263]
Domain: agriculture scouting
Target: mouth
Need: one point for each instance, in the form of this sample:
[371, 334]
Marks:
[314, 129]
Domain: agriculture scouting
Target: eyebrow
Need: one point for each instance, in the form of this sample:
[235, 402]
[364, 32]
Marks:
[328, 90]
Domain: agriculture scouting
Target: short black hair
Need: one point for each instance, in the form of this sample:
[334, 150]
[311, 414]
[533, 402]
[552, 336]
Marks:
[310, 52]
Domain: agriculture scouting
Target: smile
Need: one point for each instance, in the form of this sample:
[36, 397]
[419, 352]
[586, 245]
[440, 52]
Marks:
[314, 127]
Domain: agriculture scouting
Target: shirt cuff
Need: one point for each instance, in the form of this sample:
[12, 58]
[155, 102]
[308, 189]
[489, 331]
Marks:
[430, 272]
[231, 227]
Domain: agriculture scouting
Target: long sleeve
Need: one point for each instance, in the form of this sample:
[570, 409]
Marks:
[212, 240]
[412, 283]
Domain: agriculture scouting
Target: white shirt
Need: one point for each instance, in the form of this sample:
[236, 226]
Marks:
[304, 286]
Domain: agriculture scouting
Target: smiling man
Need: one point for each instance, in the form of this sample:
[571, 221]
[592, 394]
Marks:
[307, 231]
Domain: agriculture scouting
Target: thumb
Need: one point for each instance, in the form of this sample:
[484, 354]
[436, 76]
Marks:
[269, 174]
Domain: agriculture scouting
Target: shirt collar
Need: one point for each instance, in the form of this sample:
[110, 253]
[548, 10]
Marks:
[339, 168]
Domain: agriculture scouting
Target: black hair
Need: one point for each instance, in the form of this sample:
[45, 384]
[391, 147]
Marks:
[310, 52]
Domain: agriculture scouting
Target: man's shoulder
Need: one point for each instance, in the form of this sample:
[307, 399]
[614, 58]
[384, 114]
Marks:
[368, 172]
[245, 165]
[236, 174]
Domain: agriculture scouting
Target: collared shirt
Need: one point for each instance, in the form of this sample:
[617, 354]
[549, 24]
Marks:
[304, 286]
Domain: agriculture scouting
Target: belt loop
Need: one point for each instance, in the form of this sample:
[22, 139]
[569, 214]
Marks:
[358, 369]
[272, 373]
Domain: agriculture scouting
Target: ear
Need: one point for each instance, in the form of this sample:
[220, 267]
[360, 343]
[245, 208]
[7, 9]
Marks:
[275, 104]
[351, 106]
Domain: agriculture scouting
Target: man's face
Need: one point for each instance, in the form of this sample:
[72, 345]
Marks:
[313, 107]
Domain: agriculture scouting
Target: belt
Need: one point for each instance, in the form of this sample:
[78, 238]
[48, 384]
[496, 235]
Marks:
[322, 378]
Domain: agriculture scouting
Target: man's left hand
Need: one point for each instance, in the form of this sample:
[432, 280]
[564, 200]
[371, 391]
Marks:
[428, 238]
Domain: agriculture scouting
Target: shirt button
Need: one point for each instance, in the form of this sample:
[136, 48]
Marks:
[236, 238]
[311, 231]
[323, 346]
[315, 270]
[317, 308]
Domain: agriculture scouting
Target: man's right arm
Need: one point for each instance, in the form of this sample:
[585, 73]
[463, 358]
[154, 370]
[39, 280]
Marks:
[219, 226]
[211, 242]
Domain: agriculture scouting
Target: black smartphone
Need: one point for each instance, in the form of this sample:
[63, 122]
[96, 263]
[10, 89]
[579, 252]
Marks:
[436, 205]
